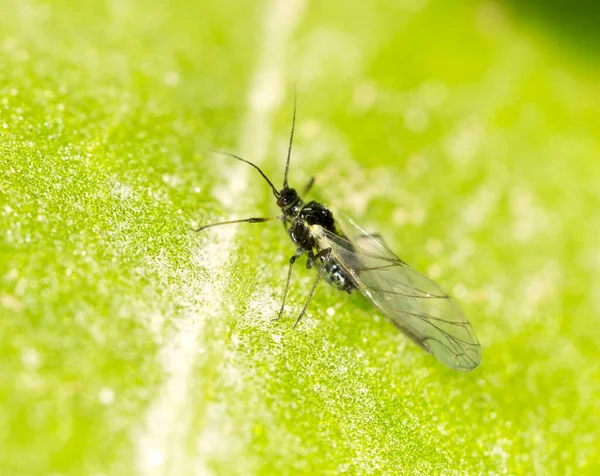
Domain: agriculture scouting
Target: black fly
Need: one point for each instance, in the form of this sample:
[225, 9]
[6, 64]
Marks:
[350, 258]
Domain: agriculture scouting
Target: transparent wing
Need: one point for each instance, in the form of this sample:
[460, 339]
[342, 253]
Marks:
[413, 302]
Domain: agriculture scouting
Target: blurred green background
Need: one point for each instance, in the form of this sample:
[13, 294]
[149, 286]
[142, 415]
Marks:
[466, 133]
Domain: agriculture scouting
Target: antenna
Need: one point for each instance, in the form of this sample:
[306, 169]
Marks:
[287, 164]
[228, 154]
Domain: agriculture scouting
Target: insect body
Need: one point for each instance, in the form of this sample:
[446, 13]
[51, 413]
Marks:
[350, 258]
[302, 226]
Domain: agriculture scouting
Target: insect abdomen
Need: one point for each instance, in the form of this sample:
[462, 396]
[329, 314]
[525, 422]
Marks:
[335, 274]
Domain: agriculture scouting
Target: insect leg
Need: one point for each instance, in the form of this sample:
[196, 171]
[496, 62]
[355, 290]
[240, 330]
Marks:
[243, 220]
[312, 259]
[287, 283]
[325, 254]
[308, 186]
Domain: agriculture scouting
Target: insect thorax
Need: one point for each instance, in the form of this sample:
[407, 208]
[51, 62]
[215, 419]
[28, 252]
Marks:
[314, 213]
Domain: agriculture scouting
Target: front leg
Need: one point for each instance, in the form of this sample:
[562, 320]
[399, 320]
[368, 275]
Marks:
[312, 258]
[325, 254]
[287, 282]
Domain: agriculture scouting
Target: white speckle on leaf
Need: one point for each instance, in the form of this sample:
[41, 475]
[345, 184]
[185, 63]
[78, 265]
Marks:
[434, 271]
[418, 216]
[480, 206]
[417, 164]
[121, 190]
[529, 218]
[432, 94]
[172, 180]
[235, 340]
[11, 302]
[434, 246]
[400, 216]
[30, 359]
[416, 119]
[106, 396]
[365, 95]
[465, 142]
[460, 291]
[172, 79]
[277, 338]
[465, 250]
[156, 458]
[309, 128]
[537, 289]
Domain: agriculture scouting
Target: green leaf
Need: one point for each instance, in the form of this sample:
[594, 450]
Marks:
[465, 134]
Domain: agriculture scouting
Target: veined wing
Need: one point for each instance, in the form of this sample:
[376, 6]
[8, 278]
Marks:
[413, 302]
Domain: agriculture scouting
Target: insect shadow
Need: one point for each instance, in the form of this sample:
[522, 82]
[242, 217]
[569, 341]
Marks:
[350, 258]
